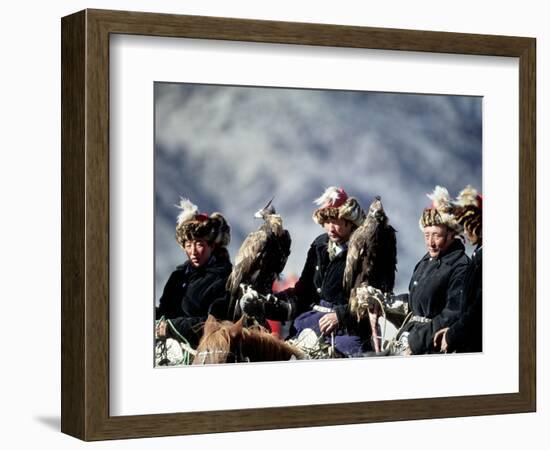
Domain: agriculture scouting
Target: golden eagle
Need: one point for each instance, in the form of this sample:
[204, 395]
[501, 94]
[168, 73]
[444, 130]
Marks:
[372, 254]
[261, 258]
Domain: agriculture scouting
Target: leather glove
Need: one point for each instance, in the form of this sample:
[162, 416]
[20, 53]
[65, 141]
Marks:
[250, 303]
[279, 309]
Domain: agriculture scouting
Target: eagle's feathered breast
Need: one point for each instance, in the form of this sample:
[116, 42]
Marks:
[261, 258]
[372, 256]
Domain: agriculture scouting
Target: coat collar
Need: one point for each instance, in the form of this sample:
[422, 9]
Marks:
[321, 244]
[214, 265]
[453, 253]
[477, 252]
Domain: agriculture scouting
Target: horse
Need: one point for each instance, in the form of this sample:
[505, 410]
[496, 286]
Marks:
[225, 341]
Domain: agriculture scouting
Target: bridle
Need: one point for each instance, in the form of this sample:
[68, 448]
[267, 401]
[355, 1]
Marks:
[206, 353]
[236, 356]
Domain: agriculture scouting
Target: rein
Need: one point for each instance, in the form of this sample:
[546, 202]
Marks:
[206, 353]
[238, 357]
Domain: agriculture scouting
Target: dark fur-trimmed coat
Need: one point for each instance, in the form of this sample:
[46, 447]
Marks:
[189, 294]
[465, 335]
[321, 278]
[435, 292]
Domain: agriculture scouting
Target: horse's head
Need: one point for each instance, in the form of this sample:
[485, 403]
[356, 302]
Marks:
[219, 341]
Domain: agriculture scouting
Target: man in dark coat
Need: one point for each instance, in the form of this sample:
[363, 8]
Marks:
[195, 285]
[435, 289]
[465, 334]
[318, 301]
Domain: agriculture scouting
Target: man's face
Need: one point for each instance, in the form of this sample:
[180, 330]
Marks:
[198, 252]
[338, 230]
[438, 238]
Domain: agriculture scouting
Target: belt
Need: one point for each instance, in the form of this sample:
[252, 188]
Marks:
[322, 309]
[420, 319]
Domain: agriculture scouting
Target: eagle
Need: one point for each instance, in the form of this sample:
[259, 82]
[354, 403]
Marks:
[372, 255]
[261, 257]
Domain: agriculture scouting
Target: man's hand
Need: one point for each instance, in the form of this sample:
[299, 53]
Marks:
[160, 332]
[440, 340]
[328, 323]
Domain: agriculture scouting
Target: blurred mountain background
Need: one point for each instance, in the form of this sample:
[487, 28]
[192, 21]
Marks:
[231, 149]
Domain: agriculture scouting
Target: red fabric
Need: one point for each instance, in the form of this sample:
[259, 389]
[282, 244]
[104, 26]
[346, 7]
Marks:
[280, 285]
[275, 327]
[342, 197]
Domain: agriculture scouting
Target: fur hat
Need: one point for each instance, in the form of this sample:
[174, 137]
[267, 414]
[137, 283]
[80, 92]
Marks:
[191, 225]
[468, 210]
[441, 212]
[335, 204]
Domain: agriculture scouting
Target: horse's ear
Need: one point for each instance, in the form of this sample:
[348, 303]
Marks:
[210, 325]
[236, 329]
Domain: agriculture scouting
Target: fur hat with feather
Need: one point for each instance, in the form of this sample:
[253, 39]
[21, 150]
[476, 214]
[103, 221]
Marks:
[468, 210]
[336, 204]
[441, 212]
[192, 224]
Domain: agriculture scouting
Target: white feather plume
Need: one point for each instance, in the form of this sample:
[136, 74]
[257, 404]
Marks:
[467, 197]
[188, 210]
[440, 197]
[330, 196]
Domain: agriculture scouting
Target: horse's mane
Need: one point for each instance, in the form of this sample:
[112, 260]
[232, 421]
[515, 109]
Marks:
[223, 340]
[259, 344]
[215, 344]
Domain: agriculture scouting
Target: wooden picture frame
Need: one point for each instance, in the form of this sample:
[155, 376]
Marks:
[85, 224]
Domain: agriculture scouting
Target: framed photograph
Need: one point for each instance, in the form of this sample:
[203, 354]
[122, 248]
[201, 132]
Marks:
[231, 113]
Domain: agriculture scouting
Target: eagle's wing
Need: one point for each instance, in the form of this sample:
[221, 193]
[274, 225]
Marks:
[356, 249]
[371, 259]
[387, 255]
[271, 261]
[246, 262]
[380, 259]
[283, 251]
